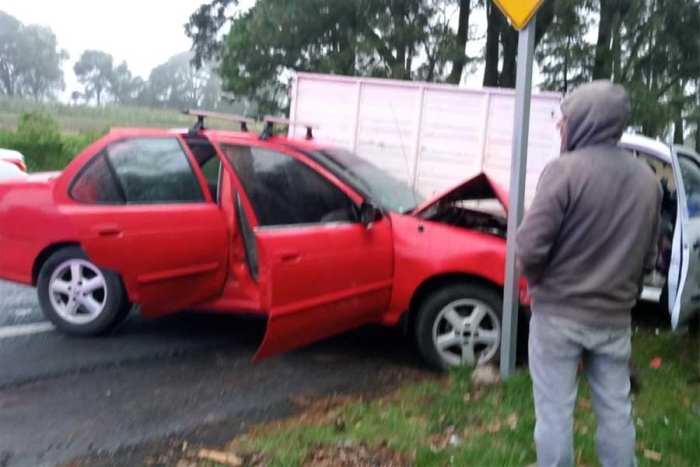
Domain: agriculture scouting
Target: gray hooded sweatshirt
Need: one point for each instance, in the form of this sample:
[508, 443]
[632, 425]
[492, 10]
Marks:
[592, 228]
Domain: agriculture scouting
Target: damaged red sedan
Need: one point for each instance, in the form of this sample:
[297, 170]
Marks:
[315, 238]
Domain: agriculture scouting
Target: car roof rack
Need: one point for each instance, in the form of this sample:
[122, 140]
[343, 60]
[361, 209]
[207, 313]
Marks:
[271, 121]
[202, 114]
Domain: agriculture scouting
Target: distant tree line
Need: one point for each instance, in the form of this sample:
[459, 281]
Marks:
[31, 66]
[651, 46]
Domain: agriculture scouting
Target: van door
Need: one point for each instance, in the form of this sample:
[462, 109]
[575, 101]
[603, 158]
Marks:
[684, 293]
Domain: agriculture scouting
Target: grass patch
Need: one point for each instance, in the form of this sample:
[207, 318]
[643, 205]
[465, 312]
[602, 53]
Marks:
[87, 119]
[446, 422]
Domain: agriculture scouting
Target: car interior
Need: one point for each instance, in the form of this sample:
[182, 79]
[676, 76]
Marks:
[669, 212]
[205, 155]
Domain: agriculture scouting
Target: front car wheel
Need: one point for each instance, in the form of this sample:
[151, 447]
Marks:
[459, 325]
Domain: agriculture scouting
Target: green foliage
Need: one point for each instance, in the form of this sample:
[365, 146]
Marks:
[39, 139]
[385, 38]
[565, 58]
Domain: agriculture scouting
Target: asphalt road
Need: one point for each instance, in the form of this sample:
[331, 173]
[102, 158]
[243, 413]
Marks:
[188, 375]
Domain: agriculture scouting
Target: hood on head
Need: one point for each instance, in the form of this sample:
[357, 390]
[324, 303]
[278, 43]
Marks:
[596, 114]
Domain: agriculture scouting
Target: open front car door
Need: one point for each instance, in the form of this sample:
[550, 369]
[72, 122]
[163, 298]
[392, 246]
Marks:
[684, 276]
[322, 259]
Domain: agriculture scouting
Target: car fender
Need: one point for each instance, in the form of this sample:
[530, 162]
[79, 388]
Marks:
[31, 223]
[427, 250]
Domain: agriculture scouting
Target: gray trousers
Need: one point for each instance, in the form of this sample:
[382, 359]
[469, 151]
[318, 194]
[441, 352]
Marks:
[555, 347]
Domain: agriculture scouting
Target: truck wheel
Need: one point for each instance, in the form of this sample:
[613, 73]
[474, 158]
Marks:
[78, 297]
[459, 325]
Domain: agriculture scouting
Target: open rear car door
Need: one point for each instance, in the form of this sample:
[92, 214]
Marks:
[684, 274]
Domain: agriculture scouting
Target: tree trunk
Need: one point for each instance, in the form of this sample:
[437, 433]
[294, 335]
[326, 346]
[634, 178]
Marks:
[566, 64]
[491, 55]
[697, 116]
[616, 48]
[509, 39]
[460, 61]
[602, 67]
[409, 64]
[545, 17]
[678, 133]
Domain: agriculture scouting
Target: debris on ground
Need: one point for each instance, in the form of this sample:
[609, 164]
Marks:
[655, 363]
[486, 376]
[361, 455]
[653, 455]
[226, 458]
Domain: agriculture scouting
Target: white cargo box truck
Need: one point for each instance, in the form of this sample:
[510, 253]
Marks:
[431, 135]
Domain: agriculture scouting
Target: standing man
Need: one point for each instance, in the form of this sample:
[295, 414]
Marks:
[588, 237]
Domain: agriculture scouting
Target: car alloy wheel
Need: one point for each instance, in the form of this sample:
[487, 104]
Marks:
[459, 324]
[78, 291]
[78, 297]
[466, 332]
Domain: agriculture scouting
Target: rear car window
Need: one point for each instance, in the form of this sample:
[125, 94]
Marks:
[95, 184]
[154, 170]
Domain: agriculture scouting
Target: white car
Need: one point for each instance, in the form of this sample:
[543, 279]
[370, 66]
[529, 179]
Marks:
[11, 164]
[676, 281]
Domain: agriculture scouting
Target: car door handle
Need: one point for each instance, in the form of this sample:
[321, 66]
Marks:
[290, 257]
[108, 230]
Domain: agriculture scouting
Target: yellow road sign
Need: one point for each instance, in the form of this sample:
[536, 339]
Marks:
[519, 12]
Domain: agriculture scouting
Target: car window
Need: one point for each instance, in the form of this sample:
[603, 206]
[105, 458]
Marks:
[285, 191]
[207, 160]
[212, 173]
[154, 170]
[690, 172]
[95, 184]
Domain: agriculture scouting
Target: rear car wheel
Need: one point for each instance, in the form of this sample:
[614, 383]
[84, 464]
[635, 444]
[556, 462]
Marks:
[78, 297]
[459, 325]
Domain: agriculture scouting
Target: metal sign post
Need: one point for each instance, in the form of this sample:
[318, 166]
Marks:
[521, 128]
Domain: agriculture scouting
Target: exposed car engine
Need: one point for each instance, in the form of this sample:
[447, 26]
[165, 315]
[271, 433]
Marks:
[455, 215]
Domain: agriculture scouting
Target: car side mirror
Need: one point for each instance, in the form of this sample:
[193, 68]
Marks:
[369, 214]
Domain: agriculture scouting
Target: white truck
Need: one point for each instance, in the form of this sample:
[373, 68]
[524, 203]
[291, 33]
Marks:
[435, 136]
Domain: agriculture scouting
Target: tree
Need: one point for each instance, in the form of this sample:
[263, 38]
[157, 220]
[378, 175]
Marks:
[94, 71]
[203, 28]
[30, 61]
[10, 31]
[500, 35]
[565, 58]
[40, 63]
[460, 60]
[383, 38]
[178, 84]
[612, 14]
[123, 86]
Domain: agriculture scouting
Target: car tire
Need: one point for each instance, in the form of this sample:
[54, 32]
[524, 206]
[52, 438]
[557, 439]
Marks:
[78, 297]
[434, 324]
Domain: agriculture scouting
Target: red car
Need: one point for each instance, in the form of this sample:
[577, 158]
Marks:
[316, 238]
